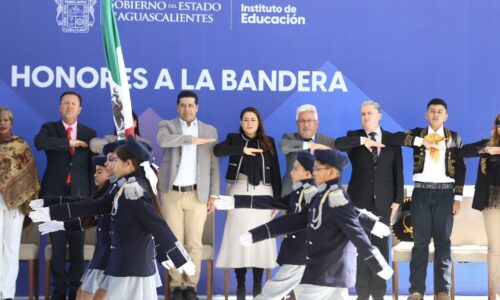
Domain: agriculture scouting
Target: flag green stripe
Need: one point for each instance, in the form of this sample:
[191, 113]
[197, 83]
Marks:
[111, 40]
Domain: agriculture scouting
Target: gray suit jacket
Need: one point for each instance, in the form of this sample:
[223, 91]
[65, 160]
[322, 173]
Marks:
[290, 144]
[170, 139]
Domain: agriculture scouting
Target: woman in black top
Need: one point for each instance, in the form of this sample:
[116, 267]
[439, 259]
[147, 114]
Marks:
[487, 198]
[253, 170]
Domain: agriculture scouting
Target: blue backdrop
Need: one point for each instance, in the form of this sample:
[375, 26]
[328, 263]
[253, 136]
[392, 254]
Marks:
[271, 54]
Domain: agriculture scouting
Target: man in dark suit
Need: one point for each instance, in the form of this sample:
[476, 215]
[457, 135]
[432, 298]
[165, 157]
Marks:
[376, 184]
[307, 138]
[68, 173]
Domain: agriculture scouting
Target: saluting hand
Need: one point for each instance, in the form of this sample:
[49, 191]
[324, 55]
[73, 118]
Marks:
[252, 151]
[313, 146]
[429, 145]
[492, 150]
[201, 141]
[369, 144]
[78, 144]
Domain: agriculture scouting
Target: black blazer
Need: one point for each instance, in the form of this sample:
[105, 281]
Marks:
[333, 230]
[483, 180]
[133, 224]
[233, 147]
[52, 139]
[381, 181]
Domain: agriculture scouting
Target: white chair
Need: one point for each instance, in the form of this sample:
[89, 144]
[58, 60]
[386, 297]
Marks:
[208, 241]
[468, 238]
[28, 251]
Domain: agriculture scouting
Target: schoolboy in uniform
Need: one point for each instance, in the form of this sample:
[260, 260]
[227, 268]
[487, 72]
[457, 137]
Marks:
[333, 230]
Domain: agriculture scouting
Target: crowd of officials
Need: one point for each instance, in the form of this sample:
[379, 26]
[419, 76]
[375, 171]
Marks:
[174, 203]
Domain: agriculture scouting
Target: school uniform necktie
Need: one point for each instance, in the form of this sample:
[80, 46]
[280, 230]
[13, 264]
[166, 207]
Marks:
[71, 153]
[374, 149]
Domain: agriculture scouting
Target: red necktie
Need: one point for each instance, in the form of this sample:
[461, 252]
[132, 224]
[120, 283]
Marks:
[71, 153]
[68, 136]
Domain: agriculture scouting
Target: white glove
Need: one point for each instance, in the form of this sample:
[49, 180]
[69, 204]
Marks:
[369, 214]
[386, 272]
[224, 202]
[246, 239]
[189, 268]
[50, 226]
[380, 229]
[36, 203]
[40, 214]
[168, 264]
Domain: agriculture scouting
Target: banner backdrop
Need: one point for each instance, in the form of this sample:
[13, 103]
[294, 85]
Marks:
[274, 55]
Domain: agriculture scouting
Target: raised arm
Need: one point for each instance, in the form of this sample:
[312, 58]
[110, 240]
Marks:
[348, 142]
[289, 143]
[261, 202]
[100, 206]
[47, 139]
[168, 138]
[473, 149]
[286, 224]
[228, 147]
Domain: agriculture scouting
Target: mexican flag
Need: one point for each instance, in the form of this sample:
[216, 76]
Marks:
[120, 93]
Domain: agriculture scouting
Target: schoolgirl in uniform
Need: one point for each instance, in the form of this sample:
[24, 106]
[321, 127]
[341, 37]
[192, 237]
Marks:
[135, 219]
[106, 183]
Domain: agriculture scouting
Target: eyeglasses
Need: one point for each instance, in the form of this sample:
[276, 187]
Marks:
[111, 159]
[319, 169]
[308, 121]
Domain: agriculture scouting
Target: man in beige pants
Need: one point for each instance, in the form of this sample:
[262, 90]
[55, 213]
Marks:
[189, 173]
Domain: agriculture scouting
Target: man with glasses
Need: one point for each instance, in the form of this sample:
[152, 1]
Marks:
[307, 138]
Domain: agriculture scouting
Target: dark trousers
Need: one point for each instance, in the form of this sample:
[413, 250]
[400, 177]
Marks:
[62, 280]
[431, 216]
[367, 282]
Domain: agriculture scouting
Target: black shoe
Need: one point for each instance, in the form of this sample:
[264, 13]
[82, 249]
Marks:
[177, 294]
[190, 294]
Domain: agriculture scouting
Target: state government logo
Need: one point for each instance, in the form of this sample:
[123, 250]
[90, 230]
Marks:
[75, 16]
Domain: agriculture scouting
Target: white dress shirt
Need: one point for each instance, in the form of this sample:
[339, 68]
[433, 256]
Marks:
[73, 129]
[378, 137]
[189, 160]
[305, 145]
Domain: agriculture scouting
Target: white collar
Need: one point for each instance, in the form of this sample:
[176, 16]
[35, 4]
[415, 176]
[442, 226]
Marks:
[378, 131]
[185, 124]
[440, 131]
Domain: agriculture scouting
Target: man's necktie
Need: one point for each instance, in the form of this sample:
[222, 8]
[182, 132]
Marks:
[71, 153]
[435, 139]
[374, 149]
[309, 140]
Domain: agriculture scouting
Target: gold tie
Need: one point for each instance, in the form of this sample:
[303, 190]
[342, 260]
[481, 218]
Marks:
[435, 139]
